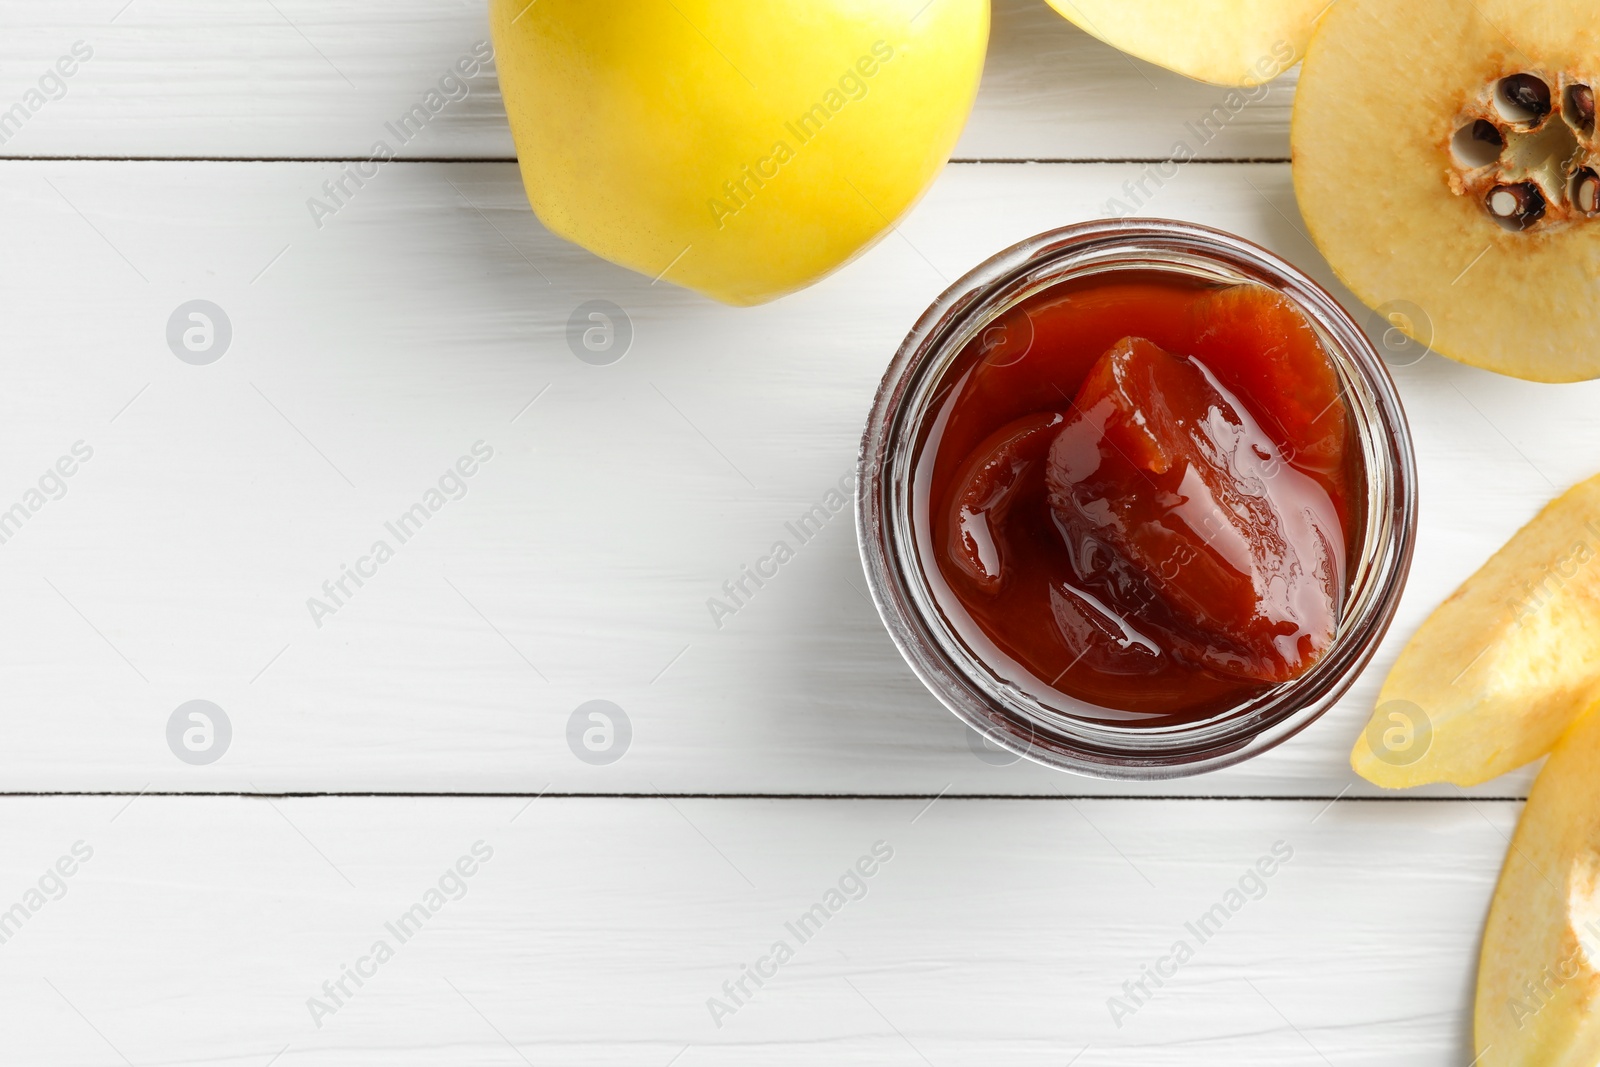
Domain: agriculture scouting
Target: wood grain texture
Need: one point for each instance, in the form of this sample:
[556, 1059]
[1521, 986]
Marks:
[371, 354]
[296, 79]
[997, 932]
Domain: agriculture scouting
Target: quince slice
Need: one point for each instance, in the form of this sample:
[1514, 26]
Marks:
[1538, 1001]
[1497, 673]
[1447, 165]
[1225, 42]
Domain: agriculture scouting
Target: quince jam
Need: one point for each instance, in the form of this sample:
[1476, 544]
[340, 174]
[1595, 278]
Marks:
[1140, 491]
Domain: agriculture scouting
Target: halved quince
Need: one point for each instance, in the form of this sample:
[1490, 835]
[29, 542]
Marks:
[1497, 673]
[742, 148]
[1445, 159]
[1225, 42]
[1538, 1002]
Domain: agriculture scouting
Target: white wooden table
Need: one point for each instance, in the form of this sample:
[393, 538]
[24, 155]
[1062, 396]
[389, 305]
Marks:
[374, 747]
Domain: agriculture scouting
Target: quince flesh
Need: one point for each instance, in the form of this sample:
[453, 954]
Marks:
[1225, 42]
[1447, 164]
[1538, 1002]
[1501, 668]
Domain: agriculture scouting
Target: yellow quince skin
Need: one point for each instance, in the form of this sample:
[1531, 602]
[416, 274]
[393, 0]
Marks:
[741, 148]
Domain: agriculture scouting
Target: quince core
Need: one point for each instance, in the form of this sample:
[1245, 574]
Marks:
[1446, 159]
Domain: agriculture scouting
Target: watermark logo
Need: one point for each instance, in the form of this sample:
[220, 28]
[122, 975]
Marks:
[1552, 578]
[451, 485]
[199, 732]
[1402, 331]
[740, 590]
[51, 85]
[1200, 132]
[853, 84]
[52, 485]
[599, 332]
[1250, 886]
[50, 886]
[599, 732]
[451, 87]
[1007, 339]
[985, 744]
[199, 332]
[1545, 987]
[451, 886]
[1400, 733]
[852, 885]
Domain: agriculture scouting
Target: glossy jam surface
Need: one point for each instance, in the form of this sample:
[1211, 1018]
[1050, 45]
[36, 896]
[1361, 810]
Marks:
[1141, 492]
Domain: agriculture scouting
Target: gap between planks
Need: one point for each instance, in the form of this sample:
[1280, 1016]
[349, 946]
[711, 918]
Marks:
[461, 795]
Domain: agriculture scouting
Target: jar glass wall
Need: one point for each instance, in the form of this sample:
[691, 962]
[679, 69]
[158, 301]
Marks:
[988, 692]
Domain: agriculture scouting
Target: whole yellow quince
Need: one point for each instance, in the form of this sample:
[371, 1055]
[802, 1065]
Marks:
[741, 148]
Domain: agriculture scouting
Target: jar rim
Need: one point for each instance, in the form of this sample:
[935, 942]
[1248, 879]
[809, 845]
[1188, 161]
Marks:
[1003, 712]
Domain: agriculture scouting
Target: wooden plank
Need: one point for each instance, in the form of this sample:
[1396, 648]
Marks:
[369, 356]
[598, 930]
[1051, 91]
[295, 79]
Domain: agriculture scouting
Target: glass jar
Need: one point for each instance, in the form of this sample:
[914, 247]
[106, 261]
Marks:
[1011, 714]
